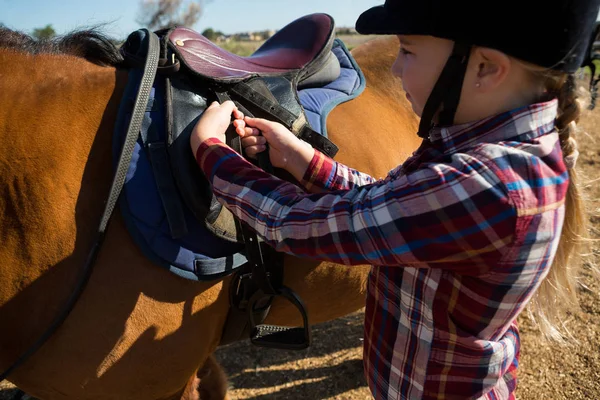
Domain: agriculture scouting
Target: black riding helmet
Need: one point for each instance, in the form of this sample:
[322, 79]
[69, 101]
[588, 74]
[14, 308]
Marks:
[551, 34]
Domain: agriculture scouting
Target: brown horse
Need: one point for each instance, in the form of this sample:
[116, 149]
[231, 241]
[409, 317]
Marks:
[138, 331]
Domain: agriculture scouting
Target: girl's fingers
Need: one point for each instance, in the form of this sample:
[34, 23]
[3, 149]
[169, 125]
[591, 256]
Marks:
[253, 141]
[247, 131]
[252, 131]
[240, 131]
[229, 106]
[252, 151]
[261, 124]
[239, 124]
[238, 115]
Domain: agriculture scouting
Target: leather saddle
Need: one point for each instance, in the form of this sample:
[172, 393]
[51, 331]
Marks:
[193, 72]
[264, 85]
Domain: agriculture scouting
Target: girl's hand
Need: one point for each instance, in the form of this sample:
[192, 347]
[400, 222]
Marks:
[285, 149]
[213, 123]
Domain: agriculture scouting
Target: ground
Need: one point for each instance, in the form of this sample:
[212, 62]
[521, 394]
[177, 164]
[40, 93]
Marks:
[332, 369]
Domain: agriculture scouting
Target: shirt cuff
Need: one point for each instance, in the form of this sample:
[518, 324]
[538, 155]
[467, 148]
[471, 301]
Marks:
[319, 172]
[211, 153]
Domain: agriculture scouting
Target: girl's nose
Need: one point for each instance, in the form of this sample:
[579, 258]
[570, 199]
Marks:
[397, 66]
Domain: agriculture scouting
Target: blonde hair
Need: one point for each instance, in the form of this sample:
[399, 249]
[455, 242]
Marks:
[557, 294]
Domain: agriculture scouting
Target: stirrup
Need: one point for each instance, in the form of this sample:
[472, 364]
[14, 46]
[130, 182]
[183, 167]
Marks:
[280, 337]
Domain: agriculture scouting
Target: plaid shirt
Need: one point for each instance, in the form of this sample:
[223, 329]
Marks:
[460, 236]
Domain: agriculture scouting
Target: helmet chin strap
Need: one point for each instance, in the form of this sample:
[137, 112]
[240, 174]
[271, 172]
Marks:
[446, 92]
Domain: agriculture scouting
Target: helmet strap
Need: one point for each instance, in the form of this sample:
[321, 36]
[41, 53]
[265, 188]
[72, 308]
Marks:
[446, 92]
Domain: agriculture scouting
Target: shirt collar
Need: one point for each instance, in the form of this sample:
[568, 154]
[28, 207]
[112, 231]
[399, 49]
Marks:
[524, 123]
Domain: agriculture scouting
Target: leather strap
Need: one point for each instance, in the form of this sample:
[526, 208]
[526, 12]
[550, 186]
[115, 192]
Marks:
[261, 279]
[115, 190]
[284, 117]
[446, 91]
[318, 141]
[255, 98]
[258, 275]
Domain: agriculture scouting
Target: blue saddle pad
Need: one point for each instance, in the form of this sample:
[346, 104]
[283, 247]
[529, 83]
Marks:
[318, 102]
[199, 255]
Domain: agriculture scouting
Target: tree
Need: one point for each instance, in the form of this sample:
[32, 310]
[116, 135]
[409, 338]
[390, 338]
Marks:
[159, 14]
[210, 34]
[44, 33]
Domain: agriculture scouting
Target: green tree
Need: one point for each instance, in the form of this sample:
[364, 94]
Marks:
[44, 33]
[210, 34]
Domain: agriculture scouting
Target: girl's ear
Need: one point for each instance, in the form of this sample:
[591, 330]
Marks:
[493, 67]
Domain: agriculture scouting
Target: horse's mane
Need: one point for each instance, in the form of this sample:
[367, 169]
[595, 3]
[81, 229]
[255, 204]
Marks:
[89, 44]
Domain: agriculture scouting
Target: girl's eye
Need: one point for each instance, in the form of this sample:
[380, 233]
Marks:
[404, 51]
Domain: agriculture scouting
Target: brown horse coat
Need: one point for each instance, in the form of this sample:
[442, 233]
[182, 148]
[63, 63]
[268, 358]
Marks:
[138, 331]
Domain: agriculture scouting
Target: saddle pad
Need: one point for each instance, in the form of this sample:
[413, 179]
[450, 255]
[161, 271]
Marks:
[198, 255]
[318, 102]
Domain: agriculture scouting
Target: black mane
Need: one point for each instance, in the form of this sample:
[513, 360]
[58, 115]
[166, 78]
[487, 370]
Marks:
[89, 44]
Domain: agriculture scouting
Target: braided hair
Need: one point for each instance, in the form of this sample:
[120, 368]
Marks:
[557, 294]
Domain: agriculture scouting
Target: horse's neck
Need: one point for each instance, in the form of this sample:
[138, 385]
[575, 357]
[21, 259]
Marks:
[57, 116]
[376, 131]
[375, 59]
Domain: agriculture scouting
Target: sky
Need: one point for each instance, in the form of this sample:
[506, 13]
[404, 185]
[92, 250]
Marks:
[228, 16]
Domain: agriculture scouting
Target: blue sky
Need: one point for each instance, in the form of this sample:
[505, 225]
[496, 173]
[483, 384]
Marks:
[229, 16]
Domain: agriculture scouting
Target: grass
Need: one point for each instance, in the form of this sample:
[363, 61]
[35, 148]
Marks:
[246, 49]
[243, 49]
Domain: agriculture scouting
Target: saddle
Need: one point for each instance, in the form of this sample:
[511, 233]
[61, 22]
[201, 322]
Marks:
[192, 228]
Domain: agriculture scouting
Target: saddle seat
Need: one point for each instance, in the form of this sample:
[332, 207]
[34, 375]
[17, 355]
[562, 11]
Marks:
[303, 45]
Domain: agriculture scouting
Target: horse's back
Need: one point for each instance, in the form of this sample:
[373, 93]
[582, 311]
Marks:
[138, 331]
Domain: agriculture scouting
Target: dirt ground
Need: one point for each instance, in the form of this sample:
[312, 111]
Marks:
[331, 368]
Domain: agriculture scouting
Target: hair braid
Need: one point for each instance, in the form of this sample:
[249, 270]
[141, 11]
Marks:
[569, 112]
[557, 294]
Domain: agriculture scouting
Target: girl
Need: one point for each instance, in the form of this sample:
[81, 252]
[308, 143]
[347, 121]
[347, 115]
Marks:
[464, 232]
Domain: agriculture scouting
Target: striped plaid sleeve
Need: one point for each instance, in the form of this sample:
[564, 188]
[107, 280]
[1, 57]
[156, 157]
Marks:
[455, 215]
[324, 174]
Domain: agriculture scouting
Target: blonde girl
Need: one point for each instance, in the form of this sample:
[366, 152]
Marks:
[463, 234]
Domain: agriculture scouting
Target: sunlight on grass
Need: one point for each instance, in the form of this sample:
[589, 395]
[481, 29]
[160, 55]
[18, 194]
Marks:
[246, 48]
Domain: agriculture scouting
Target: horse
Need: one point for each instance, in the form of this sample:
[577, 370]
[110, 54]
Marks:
[138, 331]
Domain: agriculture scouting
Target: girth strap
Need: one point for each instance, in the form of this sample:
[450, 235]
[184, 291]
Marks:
[318, 141]
[284, 117]
[270, 107]
[261, 279]
[135, 124]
